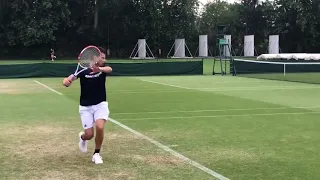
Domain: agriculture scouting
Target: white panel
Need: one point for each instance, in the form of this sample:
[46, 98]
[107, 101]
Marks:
[226, 51]
[249, 45]
[179, 48]
[203, 45]
[274, 44]
[141, 48]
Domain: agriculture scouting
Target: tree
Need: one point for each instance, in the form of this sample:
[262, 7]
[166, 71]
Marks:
[34, 22]
[253, 18]
[216, 13]
[298, 25]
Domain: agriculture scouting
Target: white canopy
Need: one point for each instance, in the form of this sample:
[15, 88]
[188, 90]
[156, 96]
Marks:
[290, 56]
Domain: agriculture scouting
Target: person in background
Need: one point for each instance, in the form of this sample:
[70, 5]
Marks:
[52, 55]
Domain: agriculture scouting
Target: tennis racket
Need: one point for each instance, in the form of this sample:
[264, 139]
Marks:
[87, 58]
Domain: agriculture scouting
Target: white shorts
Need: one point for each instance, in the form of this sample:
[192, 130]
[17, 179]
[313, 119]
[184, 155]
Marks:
[89, 114]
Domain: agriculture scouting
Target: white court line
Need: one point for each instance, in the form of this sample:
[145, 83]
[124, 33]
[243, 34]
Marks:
[182, 87]
[216, 89]
[144, 92]
[214, 110]
[48, 87]
[158, 144]
[174, 145]
[257, 88]
[222, 115]
[193, 163]
[235, 88]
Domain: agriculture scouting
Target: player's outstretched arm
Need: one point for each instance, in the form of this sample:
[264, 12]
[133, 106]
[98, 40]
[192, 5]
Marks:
[105, 69]
[68, 81]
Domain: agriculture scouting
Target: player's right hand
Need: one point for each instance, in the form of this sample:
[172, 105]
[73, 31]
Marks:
[66, 82]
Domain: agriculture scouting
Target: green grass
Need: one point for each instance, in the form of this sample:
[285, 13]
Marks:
[238, 127]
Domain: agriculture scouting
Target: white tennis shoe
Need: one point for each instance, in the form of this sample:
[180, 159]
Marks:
[96, 158]
[82, 143]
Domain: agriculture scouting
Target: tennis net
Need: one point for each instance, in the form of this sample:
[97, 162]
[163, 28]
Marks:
[295, 71]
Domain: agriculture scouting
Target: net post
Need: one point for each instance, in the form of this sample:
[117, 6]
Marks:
[284, 69]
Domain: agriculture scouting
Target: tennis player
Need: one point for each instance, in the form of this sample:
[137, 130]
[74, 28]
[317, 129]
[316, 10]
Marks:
[52, 55]
[93, 106]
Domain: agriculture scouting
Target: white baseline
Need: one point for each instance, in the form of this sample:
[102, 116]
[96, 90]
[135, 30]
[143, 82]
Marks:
[165, 148]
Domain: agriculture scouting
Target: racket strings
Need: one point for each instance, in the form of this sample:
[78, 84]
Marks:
[89, 57]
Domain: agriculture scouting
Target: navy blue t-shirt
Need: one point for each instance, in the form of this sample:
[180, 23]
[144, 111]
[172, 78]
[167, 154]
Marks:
[93, 89]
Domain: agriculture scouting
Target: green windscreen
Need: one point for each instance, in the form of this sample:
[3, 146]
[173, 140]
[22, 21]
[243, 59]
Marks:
[295, 71]
[194, 67]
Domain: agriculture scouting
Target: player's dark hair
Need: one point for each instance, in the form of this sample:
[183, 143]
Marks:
[102, 50]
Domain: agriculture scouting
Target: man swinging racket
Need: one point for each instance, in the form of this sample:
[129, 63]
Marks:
[93, 106]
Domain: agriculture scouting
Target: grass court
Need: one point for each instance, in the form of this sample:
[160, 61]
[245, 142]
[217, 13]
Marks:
[233, 127]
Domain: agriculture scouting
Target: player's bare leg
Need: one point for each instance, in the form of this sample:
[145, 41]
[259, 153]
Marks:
[99, 139]
[99, 133]
[84, 137]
